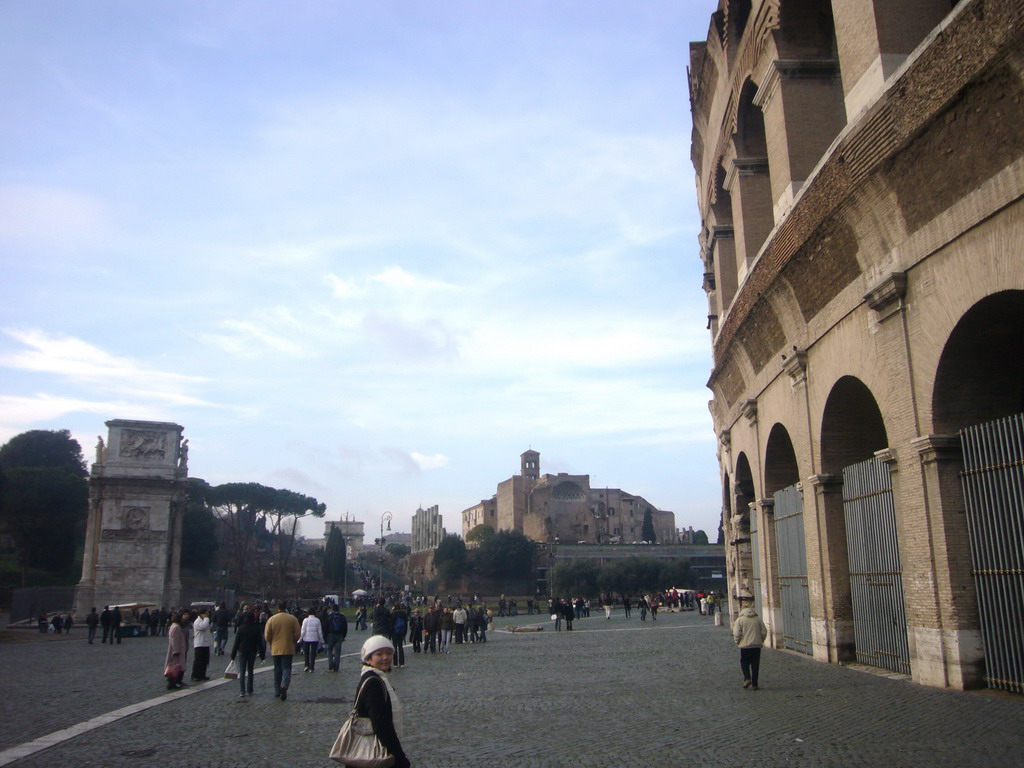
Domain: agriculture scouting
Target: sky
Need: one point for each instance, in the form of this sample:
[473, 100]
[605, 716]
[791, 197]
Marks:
[367, 251]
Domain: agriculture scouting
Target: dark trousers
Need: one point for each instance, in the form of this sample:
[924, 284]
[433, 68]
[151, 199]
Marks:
[750, 663]
[430, 641]
[460, 634]
[334, 641]
[200, 662]
[310, 651]
[246, 665]
[399, 642]
[92, 634]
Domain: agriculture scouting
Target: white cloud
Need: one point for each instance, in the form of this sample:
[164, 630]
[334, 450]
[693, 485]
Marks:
[79, 361]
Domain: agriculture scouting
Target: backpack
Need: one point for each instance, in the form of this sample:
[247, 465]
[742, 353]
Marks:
[335, 620]
[399, 628]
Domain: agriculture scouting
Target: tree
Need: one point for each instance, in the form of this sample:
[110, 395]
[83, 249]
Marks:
[334, 557]
[575, 578]
[700, 537]
[44, 509]
[647, 530]
[480, 532]
[44, 497]
[198, 528]
[44, 448]
[398, 550]
[251, 512]
[506, 554]
[450, 557]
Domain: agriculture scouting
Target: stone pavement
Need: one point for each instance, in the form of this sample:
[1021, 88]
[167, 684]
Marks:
[611, 693]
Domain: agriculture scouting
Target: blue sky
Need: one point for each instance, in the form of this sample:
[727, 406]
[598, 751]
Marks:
[368, 251]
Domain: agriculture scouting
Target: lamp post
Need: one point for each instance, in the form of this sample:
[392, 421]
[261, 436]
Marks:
[385, 518]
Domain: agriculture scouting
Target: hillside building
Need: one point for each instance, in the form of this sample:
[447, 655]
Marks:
[564, 508]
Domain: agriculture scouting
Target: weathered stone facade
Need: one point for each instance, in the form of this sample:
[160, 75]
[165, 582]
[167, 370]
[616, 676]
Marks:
[860, 173]
[136, 503]
[427, 529]
[564, 508]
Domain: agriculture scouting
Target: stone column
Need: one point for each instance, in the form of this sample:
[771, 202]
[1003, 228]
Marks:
[749, 185]
[802, 102]
[951, 653]
[828, 571]
[874, 38]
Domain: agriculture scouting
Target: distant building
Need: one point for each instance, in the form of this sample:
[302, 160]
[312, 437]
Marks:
[484, 513]
[351, 531]
[403, 539]
[564, 508]
[427, 529]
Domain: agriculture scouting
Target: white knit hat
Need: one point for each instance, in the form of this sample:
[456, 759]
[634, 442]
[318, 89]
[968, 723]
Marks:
[375, 643]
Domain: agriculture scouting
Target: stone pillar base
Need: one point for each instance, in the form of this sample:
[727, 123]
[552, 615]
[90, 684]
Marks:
[946, 658]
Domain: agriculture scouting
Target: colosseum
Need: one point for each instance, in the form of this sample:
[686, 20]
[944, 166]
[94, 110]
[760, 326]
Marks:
[859, 175]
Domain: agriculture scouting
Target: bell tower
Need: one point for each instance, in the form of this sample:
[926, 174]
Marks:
[531, 465]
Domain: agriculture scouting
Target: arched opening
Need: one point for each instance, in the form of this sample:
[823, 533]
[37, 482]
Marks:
[852, 428]
[786, 571]
[749, 180]
[981, 372]
[860, 534]
[740, 554]
[979, 392]
[780, 467]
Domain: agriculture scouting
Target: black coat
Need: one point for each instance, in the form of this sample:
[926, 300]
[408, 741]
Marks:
[373, 702]
[249, 641]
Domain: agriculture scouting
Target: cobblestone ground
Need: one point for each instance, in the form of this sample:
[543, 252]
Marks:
[612, 693]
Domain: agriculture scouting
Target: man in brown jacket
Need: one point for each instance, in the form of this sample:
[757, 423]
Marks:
[282, 633]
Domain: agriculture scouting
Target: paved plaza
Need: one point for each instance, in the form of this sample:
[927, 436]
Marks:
[611, 693]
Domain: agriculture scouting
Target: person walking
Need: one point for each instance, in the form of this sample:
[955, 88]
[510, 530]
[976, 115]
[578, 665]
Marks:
[312, 637]
[431, 628]
[399, 626]
[447, 628]
[202, 641]
[749, 633]
[337, 631]
[177, 654]
[115, 625]
[381, 619]
[105, 618]
[92, 621]
[221, 623]
[282, 632]
[416, 630]
[377, 700]
[248, 643]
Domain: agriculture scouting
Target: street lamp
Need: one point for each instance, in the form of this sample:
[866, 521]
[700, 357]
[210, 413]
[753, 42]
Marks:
[385, 518]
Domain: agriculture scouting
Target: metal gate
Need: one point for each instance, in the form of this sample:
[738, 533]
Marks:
[792, 561]
[993, 482]
[876, 580]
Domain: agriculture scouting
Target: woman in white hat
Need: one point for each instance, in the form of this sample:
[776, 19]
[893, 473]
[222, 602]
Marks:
[376, 699]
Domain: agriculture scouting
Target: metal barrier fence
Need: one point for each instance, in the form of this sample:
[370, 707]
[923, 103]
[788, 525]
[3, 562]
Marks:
[876, 578]
[792, 561]
[993, 483]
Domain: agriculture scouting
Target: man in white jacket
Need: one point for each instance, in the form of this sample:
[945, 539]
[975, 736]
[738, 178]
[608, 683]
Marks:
[749, 633]
[312, 637]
